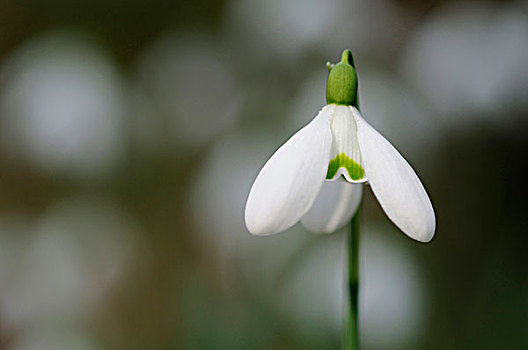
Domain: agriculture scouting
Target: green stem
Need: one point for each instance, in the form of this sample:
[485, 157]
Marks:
[351, 341]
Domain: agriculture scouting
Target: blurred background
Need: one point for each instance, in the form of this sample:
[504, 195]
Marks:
[131, 132]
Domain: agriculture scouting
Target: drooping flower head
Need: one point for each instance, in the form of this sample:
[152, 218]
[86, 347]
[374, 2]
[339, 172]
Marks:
[316, 176]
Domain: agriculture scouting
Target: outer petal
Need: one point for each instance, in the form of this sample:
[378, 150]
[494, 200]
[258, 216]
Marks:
[335, 205]
[395, 184]
[289, 182]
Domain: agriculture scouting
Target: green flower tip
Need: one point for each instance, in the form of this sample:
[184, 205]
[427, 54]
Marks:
[346, 57]
[341, 87]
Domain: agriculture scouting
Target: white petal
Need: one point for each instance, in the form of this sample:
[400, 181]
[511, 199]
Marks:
[345, 156]
[289, 182]
[334, 207]
[395, 184]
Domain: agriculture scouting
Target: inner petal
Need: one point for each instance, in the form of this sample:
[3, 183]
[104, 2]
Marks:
[345, 156]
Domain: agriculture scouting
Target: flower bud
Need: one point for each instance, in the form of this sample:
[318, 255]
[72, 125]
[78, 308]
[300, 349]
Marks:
[341, 88]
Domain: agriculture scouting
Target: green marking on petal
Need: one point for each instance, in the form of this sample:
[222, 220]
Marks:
[355, 170]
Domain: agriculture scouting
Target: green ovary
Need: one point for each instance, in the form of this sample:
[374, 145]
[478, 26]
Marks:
[355, 170]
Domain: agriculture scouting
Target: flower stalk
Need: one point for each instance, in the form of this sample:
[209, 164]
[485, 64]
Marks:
[351, 327]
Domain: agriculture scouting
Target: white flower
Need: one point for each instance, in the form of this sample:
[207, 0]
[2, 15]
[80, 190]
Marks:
[329, 159]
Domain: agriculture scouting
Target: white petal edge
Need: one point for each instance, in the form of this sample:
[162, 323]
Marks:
[395, 184]
[289, 182]
[334, 207]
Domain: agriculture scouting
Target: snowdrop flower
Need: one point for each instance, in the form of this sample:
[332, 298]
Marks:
[327, 161]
